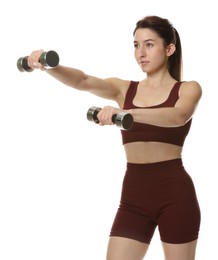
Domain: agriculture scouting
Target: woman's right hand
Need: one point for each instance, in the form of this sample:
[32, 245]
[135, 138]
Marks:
[33, 60]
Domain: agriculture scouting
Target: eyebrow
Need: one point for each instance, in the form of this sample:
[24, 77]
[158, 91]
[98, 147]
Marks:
[148, 40]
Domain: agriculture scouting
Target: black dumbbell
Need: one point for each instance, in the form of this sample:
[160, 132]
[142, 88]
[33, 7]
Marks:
[123, 120]
[49, 59]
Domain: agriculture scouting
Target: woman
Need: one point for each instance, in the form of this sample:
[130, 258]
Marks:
[157, 191]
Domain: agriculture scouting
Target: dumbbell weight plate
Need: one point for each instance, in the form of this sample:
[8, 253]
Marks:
[22, 64]
[48, 59]
[92, 114]
[123, 120]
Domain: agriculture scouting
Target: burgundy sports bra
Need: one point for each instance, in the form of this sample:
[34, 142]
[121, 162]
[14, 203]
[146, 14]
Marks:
[146, 132]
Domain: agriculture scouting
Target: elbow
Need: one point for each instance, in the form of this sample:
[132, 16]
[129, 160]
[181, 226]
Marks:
[181, 120]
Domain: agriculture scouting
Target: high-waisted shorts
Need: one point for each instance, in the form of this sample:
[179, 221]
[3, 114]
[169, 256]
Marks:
[158, 194]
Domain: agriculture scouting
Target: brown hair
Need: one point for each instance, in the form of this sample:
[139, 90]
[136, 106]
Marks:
[169, 34]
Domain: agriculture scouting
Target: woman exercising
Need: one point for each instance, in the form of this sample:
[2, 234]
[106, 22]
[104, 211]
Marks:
[157, 190]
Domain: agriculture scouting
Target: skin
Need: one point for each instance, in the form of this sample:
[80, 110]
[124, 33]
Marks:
[151, 55]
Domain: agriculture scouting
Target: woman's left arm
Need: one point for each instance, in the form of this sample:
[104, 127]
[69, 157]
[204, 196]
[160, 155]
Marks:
[189, 96]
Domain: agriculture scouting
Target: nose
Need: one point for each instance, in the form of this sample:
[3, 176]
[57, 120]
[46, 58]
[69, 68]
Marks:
[140, 52]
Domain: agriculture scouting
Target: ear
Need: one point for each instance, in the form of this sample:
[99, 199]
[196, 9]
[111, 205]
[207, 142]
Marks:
[170, 49]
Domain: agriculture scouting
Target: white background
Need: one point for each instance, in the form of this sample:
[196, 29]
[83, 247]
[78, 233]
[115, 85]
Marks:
[61, 175]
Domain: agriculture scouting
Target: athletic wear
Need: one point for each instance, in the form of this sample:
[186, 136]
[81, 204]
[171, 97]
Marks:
[158, 194]
[145, 132]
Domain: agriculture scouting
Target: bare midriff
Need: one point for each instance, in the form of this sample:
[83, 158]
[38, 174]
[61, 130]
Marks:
[151, 152]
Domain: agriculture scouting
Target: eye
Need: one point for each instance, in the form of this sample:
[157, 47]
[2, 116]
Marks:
[136, 45]
[149, 44]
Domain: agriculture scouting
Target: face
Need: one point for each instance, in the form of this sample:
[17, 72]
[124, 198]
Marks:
[150, 52]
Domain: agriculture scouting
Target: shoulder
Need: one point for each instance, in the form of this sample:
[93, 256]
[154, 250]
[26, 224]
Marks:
[119, 84]
[192, 88]
[121, 87]
[189, 96]
[191, 85]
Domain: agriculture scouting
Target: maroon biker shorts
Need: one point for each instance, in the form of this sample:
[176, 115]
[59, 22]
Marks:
[157, 194]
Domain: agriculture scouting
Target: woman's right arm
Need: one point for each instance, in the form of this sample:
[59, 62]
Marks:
[111, 88]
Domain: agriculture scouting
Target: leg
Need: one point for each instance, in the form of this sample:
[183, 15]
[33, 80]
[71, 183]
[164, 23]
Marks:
[121, 248]
[184, 251]
[180, 221]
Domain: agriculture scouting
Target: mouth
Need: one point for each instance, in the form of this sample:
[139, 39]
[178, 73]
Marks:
[143, 62]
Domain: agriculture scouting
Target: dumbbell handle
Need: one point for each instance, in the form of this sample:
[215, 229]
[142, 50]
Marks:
[123, 120]
[47, 59]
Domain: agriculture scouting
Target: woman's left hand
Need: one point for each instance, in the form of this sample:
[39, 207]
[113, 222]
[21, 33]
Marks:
[106, 113]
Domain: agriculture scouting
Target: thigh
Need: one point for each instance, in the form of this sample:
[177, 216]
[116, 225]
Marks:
[131, 224]
[121, 248]
[185, 251]
[179, 221]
